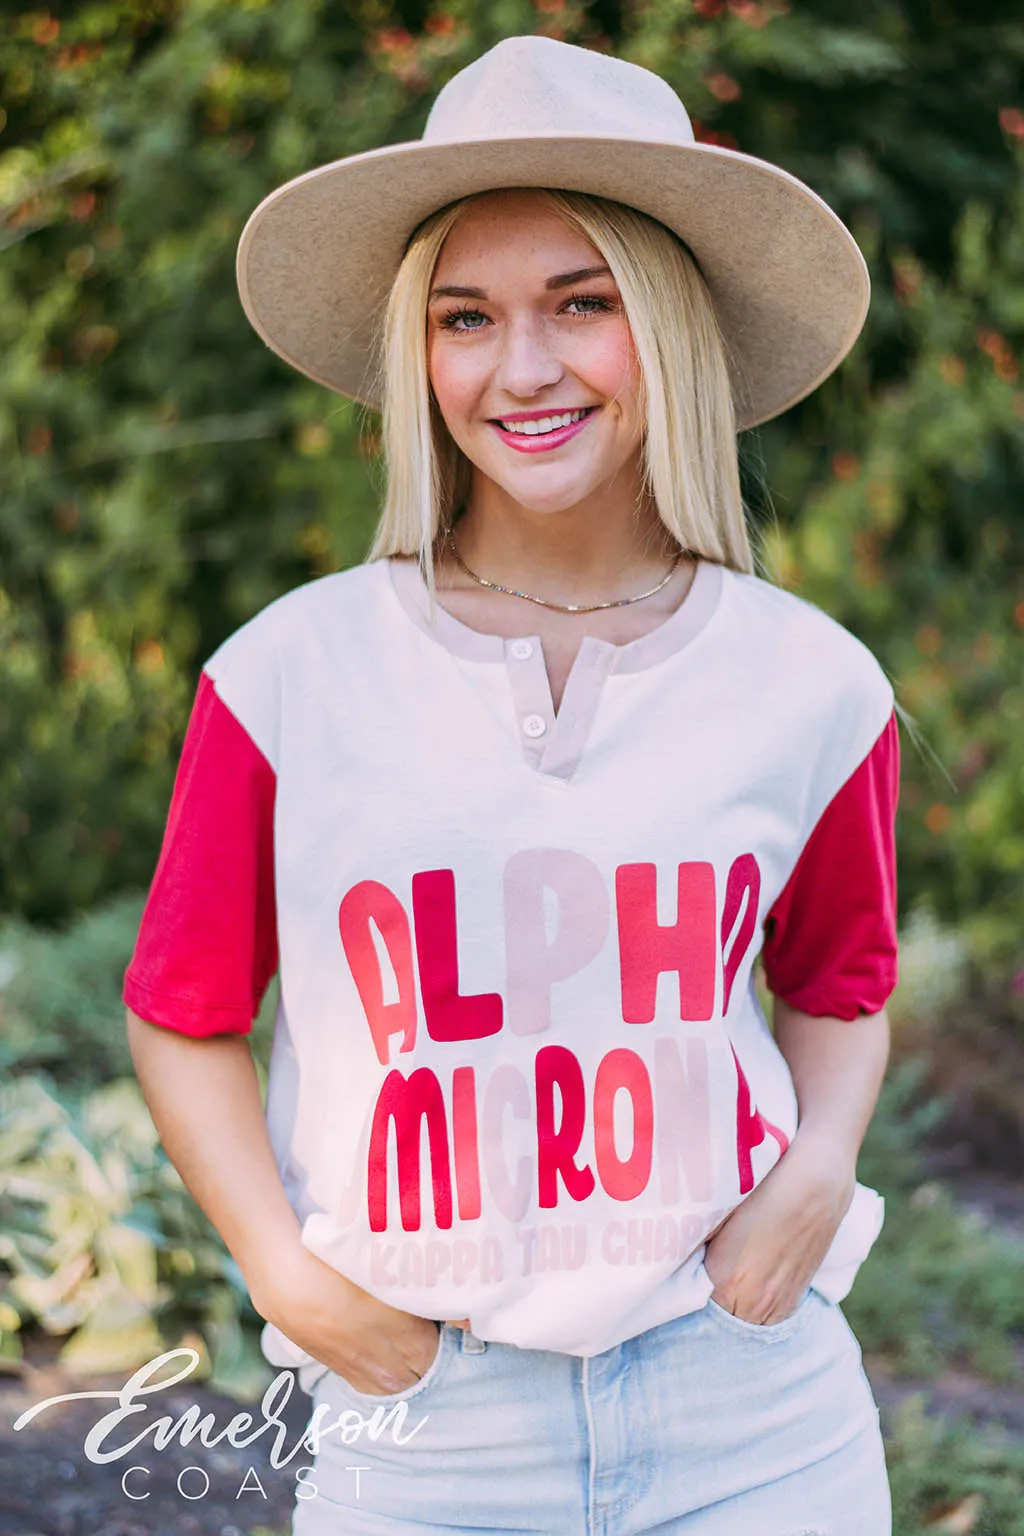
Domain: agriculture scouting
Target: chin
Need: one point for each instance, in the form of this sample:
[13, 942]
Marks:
[546, 506]
[551, 498]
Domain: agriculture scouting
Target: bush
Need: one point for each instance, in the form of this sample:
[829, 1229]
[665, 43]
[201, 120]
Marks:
[60, 994]
[165, 475]
[104, 1246]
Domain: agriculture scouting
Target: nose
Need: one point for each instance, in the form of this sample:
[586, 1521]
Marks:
[527, 363]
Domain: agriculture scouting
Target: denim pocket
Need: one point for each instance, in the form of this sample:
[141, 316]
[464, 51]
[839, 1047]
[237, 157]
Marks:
[444, 1343]
[765, 1331]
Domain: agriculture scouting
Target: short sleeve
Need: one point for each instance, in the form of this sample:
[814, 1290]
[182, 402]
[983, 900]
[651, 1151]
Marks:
[830, 944]
[207, 945]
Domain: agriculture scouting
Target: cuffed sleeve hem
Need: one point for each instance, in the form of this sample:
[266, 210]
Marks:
[832, 1005]
[188, 1016]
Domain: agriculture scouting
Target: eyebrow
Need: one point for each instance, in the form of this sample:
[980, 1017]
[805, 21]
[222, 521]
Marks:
[563, 280]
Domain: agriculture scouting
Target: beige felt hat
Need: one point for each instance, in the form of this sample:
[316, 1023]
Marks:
[317, 258]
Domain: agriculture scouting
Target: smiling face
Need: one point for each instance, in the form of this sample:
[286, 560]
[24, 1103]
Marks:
[530, 356]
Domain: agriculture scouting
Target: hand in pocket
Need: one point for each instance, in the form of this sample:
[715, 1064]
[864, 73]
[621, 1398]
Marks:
[762, 1258]
[376, 1348]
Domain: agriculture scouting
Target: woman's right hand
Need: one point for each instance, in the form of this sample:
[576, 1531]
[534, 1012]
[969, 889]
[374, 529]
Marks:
[204, 1096]
[376, 1348]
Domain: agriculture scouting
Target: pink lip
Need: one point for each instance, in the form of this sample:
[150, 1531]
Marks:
[539, 444]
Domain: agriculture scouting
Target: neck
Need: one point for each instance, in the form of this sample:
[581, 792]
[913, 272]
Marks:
[595, 549]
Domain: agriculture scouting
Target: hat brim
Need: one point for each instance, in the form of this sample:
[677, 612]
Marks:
[317, 257]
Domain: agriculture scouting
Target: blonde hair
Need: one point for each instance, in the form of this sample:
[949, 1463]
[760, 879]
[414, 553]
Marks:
[689, 451]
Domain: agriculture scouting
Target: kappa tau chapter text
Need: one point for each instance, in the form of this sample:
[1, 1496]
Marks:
[670, 1099]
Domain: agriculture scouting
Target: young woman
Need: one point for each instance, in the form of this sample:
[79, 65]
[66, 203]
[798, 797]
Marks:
[514, 807]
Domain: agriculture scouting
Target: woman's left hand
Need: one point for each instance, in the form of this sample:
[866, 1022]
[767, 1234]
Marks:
[762, 1257]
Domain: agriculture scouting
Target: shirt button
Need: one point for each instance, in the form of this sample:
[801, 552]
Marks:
[534, 725]
[522, 650]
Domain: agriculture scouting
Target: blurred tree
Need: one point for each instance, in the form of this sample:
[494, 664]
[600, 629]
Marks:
[164, 475]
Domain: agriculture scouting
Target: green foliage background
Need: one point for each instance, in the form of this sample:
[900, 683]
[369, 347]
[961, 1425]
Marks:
[163, 475]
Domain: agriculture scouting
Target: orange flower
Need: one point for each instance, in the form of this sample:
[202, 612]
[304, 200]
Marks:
[906, 275]
[723, 87]
[149, 657]
[46, 30]
[749, 11]
[82, 205]
[998, 349]
[394, 40]
[937, 819]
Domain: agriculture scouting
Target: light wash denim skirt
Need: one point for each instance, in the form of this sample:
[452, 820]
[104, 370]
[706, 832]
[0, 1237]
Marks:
[703, 1426]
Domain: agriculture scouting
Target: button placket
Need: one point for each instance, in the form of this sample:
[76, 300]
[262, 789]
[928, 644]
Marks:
[564, 748]
[556, 753]
[554, 744]
[531, 695]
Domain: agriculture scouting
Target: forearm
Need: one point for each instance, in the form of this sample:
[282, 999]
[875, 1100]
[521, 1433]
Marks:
[837, 1066]
[204, 1098]
[205, 1101]
[762, 1258]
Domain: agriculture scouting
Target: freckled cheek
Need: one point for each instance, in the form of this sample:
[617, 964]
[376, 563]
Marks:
[457, 381]
[609, 365]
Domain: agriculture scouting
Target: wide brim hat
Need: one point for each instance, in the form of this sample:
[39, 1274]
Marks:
[317, 258]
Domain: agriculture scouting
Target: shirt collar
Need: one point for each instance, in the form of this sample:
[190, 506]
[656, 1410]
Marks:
[678, 630]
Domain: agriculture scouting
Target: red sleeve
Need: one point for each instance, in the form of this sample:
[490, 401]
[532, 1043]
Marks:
[207, 946]
[830, 939]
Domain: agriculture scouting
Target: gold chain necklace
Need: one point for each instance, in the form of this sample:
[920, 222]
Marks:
[619, 602]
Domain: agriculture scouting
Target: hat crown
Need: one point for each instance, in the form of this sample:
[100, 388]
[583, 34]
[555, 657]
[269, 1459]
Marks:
[318, 256]
[536, 85]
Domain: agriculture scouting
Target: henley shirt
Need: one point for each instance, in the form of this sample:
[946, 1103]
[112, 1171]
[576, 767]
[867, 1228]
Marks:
[520, 1070]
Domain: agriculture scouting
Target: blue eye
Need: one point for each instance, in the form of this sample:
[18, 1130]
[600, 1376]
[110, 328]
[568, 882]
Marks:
[448, 323]
[602, 305]
[456, 319]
